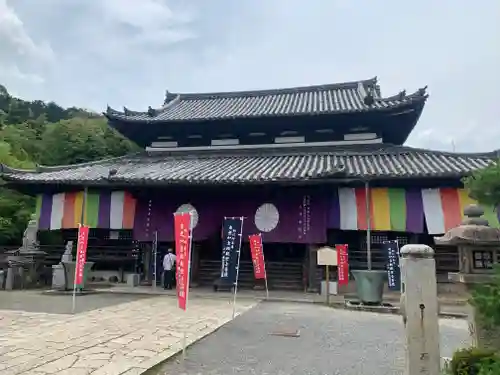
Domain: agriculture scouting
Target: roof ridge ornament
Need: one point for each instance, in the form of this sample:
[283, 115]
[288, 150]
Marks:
[151, 112]
[369, 98]
[422, 91]
[112, 172]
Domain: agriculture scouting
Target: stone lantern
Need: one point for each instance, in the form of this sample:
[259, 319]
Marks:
[478, 250]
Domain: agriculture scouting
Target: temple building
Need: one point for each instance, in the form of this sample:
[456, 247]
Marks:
[305, 166]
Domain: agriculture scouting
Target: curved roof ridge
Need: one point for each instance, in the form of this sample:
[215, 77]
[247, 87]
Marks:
[264, 92]
[172, 98]
[402, 95]
[54, 168]
[490, 154]
[355, 150]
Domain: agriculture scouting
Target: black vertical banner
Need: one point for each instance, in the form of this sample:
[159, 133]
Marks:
[393, 271]
[231, 242]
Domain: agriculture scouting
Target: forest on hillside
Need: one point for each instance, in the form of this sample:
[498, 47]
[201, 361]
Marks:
[36, 132]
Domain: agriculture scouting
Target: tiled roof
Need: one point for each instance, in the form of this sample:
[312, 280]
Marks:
[374, 161]
[310, 100]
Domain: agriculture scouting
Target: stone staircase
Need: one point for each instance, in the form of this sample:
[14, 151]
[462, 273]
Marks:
[281, 275]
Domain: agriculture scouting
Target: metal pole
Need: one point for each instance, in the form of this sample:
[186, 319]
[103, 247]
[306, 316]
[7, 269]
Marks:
[368, 227]
[73, 304]
[188, 281]
[264, 260]
[237, 269]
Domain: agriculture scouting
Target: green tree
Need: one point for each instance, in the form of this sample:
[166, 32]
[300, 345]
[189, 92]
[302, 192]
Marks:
[81, 140]
[15, 208]
[484, 185]
[35, 132]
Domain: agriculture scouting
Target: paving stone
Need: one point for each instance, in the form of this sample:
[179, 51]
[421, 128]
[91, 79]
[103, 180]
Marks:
[125, 339]
[134, 371]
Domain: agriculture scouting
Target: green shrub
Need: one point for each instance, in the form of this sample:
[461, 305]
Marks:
[491, 368]
[474, 361]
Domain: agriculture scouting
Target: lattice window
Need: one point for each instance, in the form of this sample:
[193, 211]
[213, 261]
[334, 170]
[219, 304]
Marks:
[483, 259]
[403, 240]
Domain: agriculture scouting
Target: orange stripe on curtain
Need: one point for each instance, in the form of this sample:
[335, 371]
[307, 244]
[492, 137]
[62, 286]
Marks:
[69, 210]
[450, 202]
[129, 203]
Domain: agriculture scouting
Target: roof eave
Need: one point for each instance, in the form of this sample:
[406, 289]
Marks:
[337, 177]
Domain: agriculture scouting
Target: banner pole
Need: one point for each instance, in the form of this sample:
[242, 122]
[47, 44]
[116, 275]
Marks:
[184, 339]
[265, 270]
[155, 256]
[82, 222]
[237, 269]
[73, 302]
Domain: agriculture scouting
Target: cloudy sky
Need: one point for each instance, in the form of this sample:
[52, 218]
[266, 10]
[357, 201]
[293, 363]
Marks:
[89, 53]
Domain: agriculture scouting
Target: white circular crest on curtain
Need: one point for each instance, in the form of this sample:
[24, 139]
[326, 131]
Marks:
[267, 217]
[194, 214]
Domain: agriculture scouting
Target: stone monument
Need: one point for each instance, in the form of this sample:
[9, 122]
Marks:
[69, 267]
[58, 276]
[26, 263]
[419, 307]
[479, 249]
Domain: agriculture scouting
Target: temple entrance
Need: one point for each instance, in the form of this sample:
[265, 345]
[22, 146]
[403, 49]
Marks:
[284, 265]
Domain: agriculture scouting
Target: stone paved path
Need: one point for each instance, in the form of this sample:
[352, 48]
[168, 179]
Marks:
[123, 339]
[331, 342]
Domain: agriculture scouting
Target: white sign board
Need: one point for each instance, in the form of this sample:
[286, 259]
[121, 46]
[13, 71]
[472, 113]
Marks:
[327, 256]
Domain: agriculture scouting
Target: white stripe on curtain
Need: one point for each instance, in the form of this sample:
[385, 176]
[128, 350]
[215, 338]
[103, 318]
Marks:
[57, 212]
[348, 209]
[116, 210]
[433, 211]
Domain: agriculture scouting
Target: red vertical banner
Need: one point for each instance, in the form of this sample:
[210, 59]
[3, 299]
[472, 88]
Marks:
[81, 255]
[342, 264]
[259, 267]
[182, 224]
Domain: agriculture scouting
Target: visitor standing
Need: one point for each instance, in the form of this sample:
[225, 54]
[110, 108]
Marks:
[168, 269]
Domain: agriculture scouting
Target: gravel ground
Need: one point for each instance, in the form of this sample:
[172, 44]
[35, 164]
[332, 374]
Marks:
[331, 342]
[36, 301]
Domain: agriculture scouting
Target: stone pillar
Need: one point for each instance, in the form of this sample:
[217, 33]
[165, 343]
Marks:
[419, 306]
[312, 256]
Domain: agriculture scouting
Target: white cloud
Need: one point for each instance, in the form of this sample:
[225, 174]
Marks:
[13, 73]
[13, 33]
[127, 52]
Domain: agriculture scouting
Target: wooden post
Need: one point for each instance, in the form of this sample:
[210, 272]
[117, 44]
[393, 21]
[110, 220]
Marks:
[327, 257]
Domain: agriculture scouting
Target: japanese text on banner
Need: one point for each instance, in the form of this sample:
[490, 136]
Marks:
[182, 222]
[81, 255]
[259, 268]
[342, 264]
[393, 269]
[231, 232]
